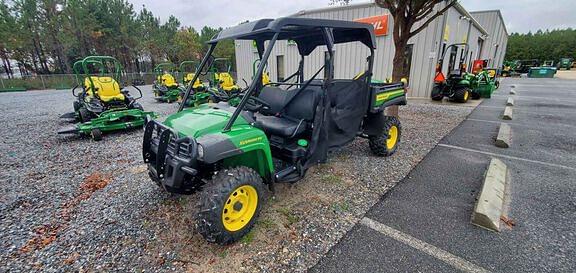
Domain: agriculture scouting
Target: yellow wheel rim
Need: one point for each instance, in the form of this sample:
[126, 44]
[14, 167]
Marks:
[466, 95]
[392, 137]
[239, 208]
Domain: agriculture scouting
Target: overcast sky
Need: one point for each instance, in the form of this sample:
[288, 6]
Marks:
[519, 15]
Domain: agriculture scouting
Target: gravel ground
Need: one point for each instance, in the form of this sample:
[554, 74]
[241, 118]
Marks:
[71, 204]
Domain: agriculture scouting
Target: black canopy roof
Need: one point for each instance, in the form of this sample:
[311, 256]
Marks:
[306, 32]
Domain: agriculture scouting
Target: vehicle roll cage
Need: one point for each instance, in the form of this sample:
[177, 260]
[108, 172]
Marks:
[307, 33]
[82, 70]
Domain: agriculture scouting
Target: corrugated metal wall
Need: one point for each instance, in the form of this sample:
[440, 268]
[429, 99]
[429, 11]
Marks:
[351, 58]
[492, 21]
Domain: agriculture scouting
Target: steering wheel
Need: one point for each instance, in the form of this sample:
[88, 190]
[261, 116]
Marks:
[255, 104]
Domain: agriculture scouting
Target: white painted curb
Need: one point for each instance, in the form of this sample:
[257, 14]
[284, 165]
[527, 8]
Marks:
[504, 138]
[507, 113]
[510, 102]
[490, 204]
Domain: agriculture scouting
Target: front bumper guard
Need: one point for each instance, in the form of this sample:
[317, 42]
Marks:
[170, 159]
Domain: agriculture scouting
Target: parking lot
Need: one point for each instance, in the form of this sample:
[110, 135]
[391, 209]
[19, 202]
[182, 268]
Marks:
[423, 224]
[71, 203]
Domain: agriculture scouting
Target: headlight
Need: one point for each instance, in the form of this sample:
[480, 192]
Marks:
[200, 152]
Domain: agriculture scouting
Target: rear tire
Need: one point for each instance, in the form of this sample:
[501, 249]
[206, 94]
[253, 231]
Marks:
[96, 134]
[229, 205]
[387, 142]
[85, 115]
[436, 94]
[462, 94]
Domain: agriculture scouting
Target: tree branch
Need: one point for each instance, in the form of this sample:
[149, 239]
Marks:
[427, 22]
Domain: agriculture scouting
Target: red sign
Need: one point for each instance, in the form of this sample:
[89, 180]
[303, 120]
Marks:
[379, 22]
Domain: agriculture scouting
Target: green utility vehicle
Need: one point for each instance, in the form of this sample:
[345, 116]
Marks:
[277, 131]
[565, 63]
[457, 87]
[166, 87]
[102, 105]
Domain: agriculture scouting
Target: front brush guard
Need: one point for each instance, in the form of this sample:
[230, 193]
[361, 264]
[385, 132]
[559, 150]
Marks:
[169, 158]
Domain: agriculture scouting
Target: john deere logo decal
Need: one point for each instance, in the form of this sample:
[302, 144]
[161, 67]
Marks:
[252, 140]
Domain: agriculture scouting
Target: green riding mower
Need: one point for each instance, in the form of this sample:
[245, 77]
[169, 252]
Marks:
[102, 105]
[457, 86]
[166, 87]
[234, 155]
[217, 90]
[484, 83]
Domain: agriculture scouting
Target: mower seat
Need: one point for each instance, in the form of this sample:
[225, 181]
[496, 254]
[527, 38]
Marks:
[189, 77]
[226, 81]
[106, 87]
[287, 118]
[168, 80]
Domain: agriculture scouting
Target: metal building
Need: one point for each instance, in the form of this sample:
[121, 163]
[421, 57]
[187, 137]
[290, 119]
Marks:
[455, 26]
[495, 44]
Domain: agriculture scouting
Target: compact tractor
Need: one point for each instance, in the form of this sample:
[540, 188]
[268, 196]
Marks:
[457, 85]
[234, 155]
[166, 87]
[102, 105]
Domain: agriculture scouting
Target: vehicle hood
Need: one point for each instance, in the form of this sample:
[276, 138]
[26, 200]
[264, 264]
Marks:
[201, 120]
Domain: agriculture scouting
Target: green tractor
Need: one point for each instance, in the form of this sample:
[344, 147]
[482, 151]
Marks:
[457, 87]
[484, 83]
[234, 155]
[565, 63]
[166, 87]
[102, 105]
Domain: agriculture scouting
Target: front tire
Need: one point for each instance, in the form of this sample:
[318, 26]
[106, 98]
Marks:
[462, 94]
[229, 205]
[387, 142]
[96, 134]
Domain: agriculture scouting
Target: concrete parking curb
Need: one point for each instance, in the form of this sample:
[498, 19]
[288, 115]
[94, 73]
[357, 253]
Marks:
[490, 204]
[504, 137]
[510, 102]
[507, 113]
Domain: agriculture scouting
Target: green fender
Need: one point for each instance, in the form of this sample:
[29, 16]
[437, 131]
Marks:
[244, 145]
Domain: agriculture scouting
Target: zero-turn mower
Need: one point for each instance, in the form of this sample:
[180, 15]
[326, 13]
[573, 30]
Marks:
[457, 86]
[102, 105]
[166, 87]
[232, 155]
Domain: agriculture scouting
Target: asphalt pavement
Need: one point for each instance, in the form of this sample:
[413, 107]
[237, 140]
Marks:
[423, 224]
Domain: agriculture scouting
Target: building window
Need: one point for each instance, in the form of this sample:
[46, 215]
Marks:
[407, 61]
[280, 68]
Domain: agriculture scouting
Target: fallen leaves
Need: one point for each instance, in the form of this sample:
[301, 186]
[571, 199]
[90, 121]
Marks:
[47, 233]
[509, 222]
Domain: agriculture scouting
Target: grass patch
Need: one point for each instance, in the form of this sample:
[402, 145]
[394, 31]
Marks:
[248, 238]
[332, 178]
[266, 223]
[289, 214]
[341, 206]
